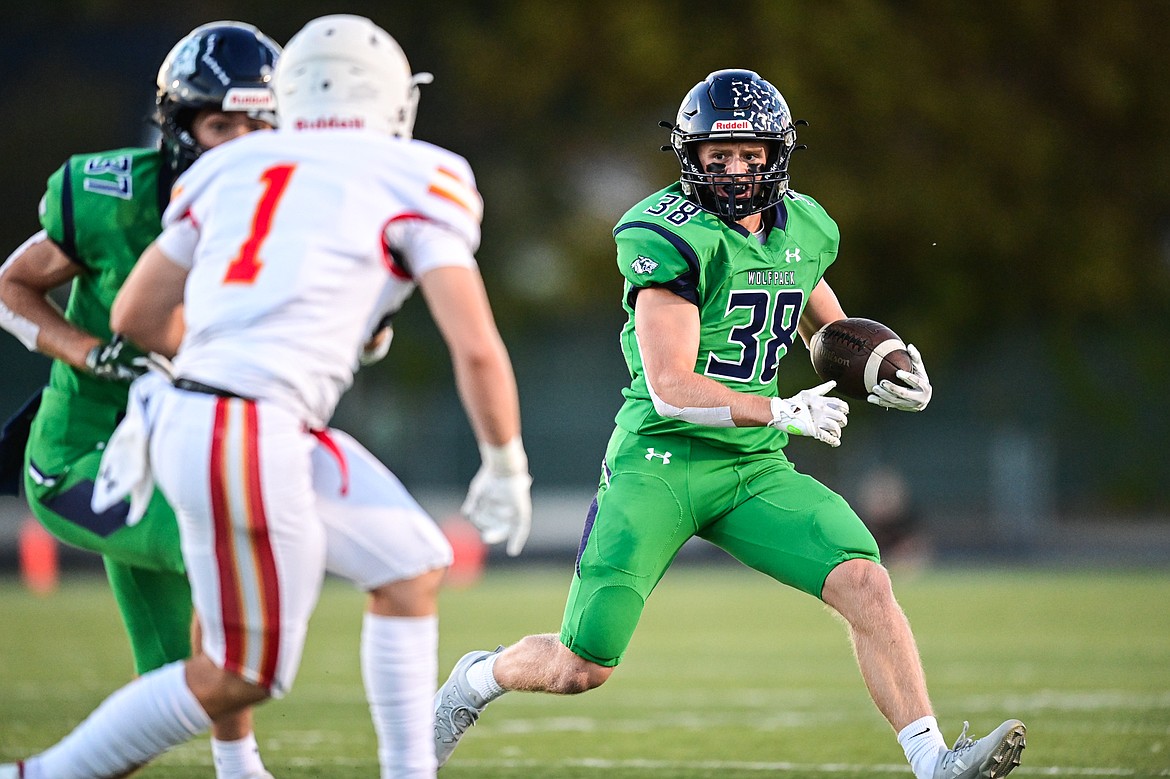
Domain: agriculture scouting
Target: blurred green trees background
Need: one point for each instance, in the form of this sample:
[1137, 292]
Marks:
[1000, 172]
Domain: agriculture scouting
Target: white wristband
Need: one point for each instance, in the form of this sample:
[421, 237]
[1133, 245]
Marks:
[506, 459]
[709, 416]
[26, 331]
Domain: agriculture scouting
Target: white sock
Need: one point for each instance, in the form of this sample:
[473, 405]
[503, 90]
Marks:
[239, 759]
[482, 678]
[400, 667]
[137, 723]
[923, 743]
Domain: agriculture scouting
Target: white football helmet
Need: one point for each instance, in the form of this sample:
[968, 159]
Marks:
[345, 71]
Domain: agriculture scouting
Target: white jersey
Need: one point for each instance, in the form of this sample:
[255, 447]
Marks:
[298, 244]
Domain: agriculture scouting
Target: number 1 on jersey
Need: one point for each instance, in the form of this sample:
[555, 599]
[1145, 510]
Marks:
[245, 267]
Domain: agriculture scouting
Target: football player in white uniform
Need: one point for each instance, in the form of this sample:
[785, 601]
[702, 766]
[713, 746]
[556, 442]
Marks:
[281, 254]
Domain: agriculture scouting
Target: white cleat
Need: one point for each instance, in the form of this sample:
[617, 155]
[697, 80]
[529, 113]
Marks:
[457, 706]
[992, 757]
[11, 771]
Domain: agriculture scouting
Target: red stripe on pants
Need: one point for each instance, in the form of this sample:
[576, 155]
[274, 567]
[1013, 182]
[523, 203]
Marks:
[265, 560]
[230, 605]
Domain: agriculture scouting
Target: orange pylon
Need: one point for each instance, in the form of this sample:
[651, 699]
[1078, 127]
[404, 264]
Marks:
[38, 558]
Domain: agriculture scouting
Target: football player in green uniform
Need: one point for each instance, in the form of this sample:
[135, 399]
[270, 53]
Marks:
[98, 215]
[723, 270]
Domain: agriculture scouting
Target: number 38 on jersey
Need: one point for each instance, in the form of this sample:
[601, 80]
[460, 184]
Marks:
[766, 326]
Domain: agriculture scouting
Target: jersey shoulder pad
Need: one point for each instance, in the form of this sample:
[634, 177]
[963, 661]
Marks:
[656, 206]
[650, 254]
[448, 192]
[98, 175]
[89, 191]
[807, 210]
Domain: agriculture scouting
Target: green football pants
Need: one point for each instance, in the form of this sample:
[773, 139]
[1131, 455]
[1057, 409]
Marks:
[659, 491]
[144, 563]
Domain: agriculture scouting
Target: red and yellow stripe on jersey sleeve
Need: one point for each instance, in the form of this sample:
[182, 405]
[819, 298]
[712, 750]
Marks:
[449, 186]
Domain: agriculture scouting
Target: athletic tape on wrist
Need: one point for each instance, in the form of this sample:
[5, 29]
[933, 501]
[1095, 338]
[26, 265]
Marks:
[506, 459]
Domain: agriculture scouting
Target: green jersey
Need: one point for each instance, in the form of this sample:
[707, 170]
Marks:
[749, 296]
[102, 210]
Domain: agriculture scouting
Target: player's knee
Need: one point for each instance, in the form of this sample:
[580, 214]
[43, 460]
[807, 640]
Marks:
[858, 582]
[218, 691]
[414, 597]
[595, 676]
[582, 676]
[859, 574]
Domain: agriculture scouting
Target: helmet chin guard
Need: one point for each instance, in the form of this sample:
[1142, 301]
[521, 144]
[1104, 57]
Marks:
[734, 105]
[345, 71]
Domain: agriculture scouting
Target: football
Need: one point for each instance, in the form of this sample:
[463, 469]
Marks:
[858, 353]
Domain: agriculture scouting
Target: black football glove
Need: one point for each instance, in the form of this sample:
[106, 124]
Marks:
[106, 361]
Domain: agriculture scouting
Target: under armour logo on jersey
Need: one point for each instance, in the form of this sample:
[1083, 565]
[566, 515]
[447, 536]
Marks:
[792, 255]
[643, 265]
[651, 454]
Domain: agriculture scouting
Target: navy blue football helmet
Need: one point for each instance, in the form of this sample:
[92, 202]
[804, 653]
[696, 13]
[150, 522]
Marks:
[223, 65]
[734, 105]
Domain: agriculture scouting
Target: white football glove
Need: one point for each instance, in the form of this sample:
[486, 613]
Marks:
[499, 500]
[810, 413]
[889, 394]
[377, 347]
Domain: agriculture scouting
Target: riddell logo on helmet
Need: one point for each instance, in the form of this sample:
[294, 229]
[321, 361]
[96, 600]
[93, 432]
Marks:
[732, 124]
[325, 122]
[248, 99]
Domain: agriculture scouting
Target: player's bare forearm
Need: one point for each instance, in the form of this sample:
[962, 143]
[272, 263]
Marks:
[483, 370]
[487, 388]
[56, 337]
[690, 390]
[25, 283]
[668, 341]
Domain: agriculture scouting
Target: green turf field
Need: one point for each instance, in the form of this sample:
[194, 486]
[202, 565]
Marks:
[728, 676]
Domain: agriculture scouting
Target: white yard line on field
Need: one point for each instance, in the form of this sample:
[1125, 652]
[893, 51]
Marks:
[723, 767]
